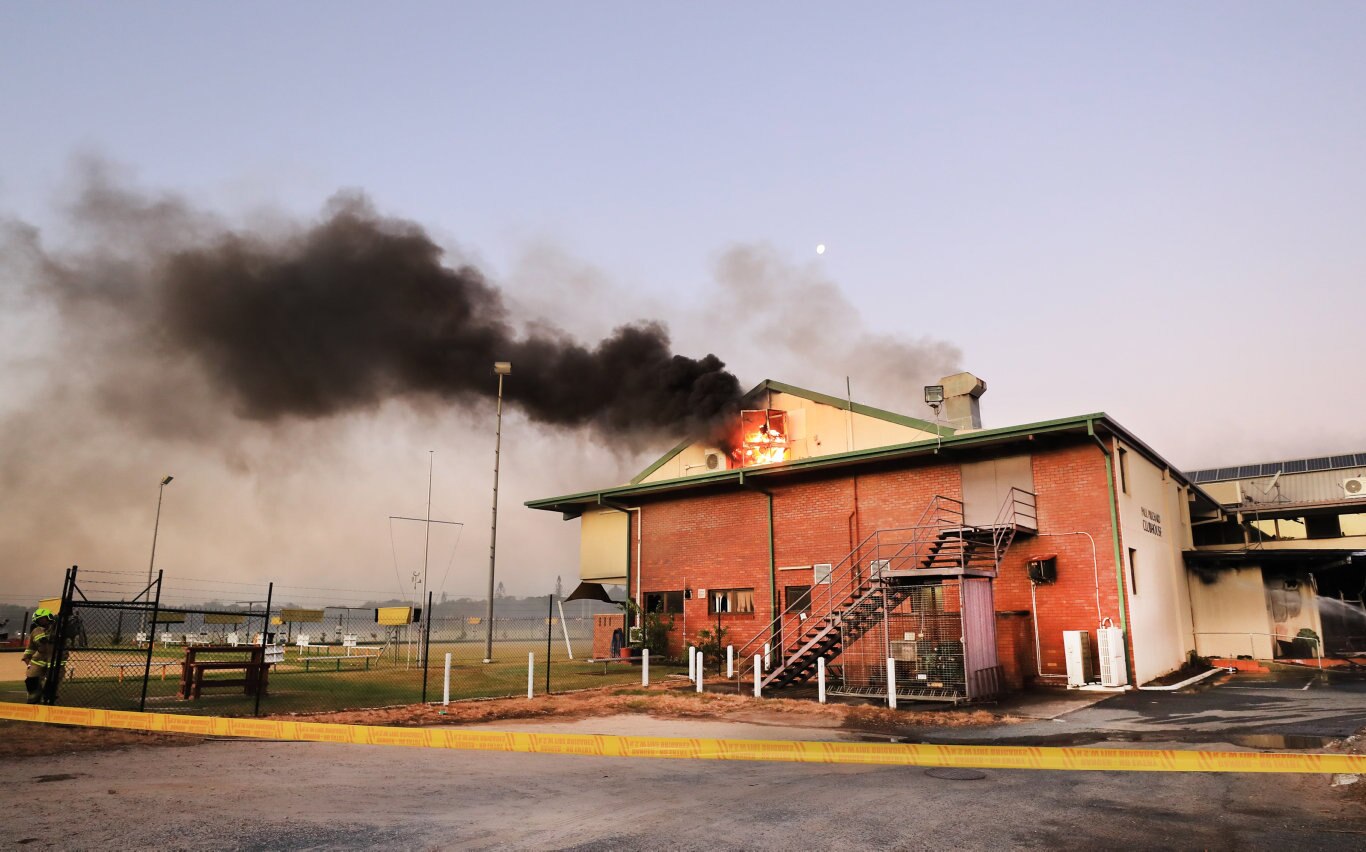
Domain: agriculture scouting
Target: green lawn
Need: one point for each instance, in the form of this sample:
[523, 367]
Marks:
[390, 680]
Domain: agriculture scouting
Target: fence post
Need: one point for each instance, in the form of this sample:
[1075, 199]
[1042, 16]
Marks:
[757, 674]
[692, 662]
[645, 667]
[699, 671]
[426, 647]
[151, 643]
[768, 657]
[891, 683]
[730, 661]
[446, 683]
[820, 679]
[549, 631]
[265, 640]
[530, 674]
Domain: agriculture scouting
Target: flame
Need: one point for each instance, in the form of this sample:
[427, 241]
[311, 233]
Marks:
[763, 438]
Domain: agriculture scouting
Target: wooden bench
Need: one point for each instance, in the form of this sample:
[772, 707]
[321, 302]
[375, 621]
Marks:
[255, 668]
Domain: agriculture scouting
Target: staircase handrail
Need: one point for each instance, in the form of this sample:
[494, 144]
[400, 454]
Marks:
[1019, 505]
[846, 581]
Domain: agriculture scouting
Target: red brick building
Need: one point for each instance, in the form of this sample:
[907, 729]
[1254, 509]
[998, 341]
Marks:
[824, 528]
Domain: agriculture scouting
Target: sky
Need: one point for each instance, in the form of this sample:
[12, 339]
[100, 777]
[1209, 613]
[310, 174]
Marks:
[1149, 210]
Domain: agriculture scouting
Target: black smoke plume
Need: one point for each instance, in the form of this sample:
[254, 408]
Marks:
[310, 322]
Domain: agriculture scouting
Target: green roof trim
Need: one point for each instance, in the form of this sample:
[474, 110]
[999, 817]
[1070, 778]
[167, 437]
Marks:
[857, 407]
[1084, 422]
[811, 396]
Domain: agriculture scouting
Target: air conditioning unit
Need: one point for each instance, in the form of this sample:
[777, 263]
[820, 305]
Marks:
[904, 651]
[1113, 670]
[1076, 646]
[1355, 486]
[714, 459]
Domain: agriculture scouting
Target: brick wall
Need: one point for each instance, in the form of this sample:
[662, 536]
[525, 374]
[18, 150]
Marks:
[603, 627]
[720, 541]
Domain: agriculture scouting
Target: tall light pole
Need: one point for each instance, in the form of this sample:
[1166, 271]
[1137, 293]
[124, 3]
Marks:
[164, 482]
[502, 368]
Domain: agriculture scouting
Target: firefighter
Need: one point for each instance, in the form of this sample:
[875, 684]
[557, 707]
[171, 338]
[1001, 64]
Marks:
[38, 655]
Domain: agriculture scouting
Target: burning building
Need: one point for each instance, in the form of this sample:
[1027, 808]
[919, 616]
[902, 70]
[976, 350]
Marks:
[937, 559]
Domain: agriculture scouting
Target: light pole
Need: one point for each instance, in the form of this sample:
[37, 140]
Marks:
[164, 482]
[502, 368]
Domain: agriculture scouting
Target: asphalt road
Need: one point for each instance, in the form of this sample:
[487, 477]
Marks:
[267, 796]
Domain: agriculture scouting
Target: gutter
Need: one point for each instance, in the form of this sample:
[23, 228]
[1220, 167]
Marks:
[1185, 683]
[1114, 537]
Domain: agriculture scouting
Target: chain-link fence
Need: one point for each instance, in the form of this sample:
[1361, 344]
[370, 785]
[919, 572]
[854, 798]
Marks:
[294, 650]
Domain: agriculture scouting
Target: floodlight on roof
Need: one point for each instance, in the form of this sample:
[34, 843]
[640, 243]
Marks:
[934, 394]
[502, 368]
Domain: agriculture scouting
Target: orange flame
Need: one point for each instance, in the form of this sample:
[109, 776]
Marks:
[763, 438]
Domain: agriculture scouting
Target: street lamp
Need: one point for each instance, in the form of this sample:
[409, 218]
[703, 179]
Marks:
[151, 562]
[502, 368]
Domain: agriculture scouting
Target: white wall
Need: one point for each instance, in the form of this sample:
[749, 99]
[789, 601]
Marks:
[1154, 523]
[1231, 614]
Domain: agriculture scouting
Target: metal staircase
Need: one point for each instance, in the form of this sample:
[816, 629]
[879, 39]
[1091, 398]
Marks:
[875, 578]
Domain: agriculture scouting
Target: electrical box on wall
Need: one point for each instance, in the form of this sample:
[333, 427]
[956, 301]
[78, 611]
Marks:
[1043, 569]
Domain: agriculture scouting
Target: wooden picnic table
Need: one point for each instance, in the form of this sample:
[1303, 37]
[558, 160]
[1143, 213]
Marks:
[255, 668]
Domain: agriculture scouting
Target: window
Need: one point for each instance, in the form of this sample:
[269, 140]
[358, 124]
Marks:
[1354, 524]
[664, 602]
[798, 598]
[1124, 470]
[730, 600]
[821, 571]
[1133, 571]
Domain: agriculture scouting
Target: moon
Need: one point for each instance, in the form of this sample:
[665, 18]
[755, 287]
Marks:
[820, 249]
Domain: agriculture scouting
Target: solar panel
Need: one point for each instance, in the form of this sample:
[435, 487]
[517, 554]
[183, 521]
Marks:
[1271, 469]
[1318, 464]
[1201, 476]
[1227, 473]
[1361, 459]
[1296, 466]
[1249, 470]
[1343, 461]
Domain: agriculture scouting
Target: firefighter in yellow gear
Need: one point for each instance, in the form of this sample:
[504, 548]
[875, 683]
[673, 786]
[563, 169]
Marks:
[38, 656]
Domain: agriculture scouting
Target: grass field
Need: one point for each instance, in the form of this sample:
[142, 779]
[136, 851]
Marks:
[318, 682]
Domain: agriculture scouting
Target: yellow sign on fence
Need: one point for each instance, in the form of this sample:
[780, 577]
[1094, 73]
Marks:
[392, 615]
[301, 615]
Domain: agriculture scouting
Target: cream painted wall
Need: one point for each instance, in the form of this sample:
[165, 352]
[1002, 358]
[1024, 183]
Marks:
[603, 546]
[816, 429]
[1160, 611]
[1231, 614]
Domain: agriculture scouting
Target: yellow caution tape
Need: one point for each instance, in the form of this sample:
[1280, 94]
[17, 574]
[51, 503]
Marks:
[788, 751]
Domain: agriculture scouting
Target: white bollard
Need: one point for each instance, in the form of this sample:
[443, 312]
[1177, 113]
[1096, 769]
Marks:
[768, 657]
[445, 684]
[891, 683]
[530, 673]
[730, 661]
[645, 667]
[820, 679]
[757, 673]
[699, 671]
[692, 663]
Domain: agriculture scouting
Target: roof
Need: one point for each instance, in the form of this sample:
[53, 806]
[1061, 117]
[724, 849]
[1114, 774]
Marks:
[1248, 471]
[1085, 424]
[813, 396]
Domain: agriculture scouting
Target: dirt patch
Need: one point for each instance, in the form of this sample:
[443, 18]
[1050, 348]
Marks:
[33, 739]
[668, 701]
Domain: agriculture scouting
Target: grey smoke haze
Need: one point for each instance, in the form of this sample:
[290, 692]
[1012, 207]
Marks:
[794, 320]
[152, 336]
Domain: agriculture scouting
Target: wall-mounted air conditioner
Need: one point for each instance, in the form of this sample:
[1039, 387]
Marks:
[1076, 646]
[1355, 486]
[1113, 670]
[714, 459]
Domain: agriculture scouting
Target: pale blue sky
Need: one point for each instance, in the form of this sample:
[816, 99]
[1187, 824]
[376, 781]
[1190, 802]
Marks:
[1150, 209]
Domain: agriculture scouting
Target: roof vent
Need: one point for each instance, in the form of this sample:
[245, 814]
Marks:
[961, 409]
